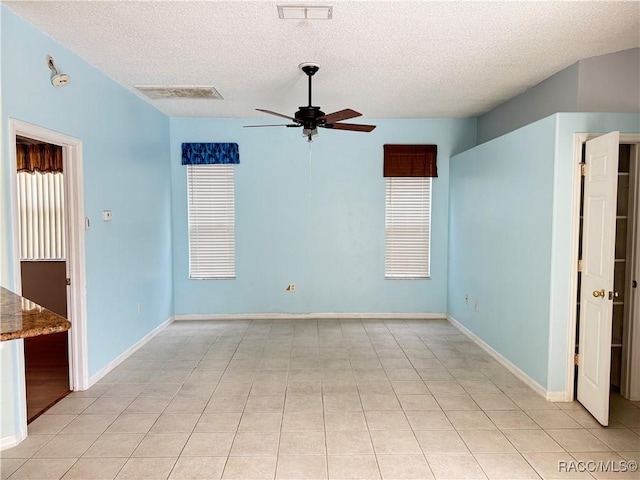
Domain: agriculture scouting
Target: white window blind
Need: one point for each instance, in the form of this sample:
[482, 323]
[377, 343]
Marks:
[41, 207]
[407, 227]
[212, 235]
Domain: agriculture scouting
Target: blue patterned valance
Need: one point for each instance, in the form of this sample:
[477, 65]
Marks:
[210, 153]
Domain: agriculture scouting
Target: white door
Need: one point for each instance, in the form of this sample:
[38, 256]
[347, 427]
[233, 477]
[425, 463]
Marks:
[596, 291]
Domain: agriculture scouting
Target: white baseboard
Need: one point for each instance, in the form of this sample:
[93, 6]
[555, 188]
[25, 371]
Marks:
[558, 396]
[130, 351]
[312, 316]
[11, 441]
[539, 389]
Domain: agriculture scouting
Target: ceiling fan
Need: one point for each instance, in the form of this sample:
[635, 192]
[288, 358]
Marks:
[310, 117]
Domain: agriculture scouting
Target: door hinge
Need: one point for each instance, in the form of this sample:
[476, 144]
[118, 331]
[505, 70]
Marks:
[576, 359]
[583, 169]
[68, 281]
[580, 265]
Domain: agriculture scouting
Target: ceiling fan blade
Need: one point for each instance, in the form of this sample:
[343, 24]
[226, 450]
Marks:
[355, 127]
[276, 114]
[274, 125]
[345, 114]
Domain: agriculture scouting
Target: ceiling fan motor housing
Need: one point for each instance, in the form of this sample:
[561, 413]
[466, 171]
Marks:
[308, 115]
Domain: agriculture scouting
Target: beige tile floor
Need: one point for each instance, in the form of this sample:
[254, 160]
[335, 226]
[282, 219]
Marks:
[324, 399]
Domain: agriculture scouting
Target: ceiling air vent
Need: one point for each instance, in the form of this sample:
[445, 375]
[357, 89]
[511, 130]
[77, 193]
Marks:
[305, 12]
[156, 92]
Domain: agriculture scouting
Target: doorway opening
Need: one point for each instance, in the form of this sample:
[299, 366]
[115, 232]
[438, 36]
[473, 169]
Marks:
[74, 228]
[625, 308]
[42, 221]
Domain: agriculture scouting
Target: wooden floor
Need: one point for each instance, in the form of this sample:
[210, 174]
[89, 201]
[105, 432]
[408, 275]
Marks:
[47, 372]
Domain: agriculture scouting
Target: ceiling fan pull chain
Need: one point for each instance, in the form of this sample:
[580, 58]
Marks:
[310, 167]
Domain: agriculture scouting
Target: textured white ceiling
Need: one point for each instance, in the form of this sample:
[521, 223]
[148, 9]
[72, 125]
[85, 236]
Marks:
[386, 59]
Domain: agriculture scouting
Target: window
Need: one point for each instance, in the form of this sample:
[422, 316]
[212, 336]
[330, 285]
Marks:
[212, 235]
[40, 200]
[407, 227]
[41, 207]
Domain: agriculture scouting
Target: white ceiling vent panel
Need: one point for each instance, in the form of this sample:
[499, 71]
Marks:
[156, 92]
[305, 12]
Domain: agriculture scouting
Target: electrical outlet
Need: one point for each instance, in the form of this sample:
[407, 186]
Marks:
[477, 305]
[291, 287]
[139, 309]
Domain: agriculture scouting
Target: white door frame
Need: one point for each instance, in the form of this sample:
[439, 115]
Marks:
[74, 205]
[630, 386]
[634, 338]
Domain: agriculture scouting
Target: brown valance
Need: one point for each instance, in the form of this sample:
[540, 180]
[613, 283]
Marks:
[39, 158]
[410, 160]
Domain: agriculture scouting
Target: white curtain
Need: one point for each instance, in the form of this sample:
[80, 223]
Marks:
[41, 204]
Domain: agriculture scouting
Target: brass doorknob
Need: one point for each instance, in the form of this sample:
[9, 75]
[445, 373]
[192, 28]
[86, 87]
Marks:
[598, 293]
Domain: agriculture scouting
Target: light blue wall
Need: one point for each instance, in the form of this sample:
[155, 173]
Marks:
[557, 93]
[500, 243]
[314, 219]
[606, 83]
[511, 238]
[126, 170]
[610, 83]
[562, 300]
[9, 404]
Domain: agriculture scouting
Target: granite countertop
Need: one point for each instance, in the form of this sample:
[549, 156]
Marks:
[22, 318]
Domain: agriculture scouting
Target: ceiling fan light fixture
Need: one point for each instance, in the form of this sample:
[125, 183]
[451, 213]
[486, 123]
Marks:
[309, 133]
[305, 12]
